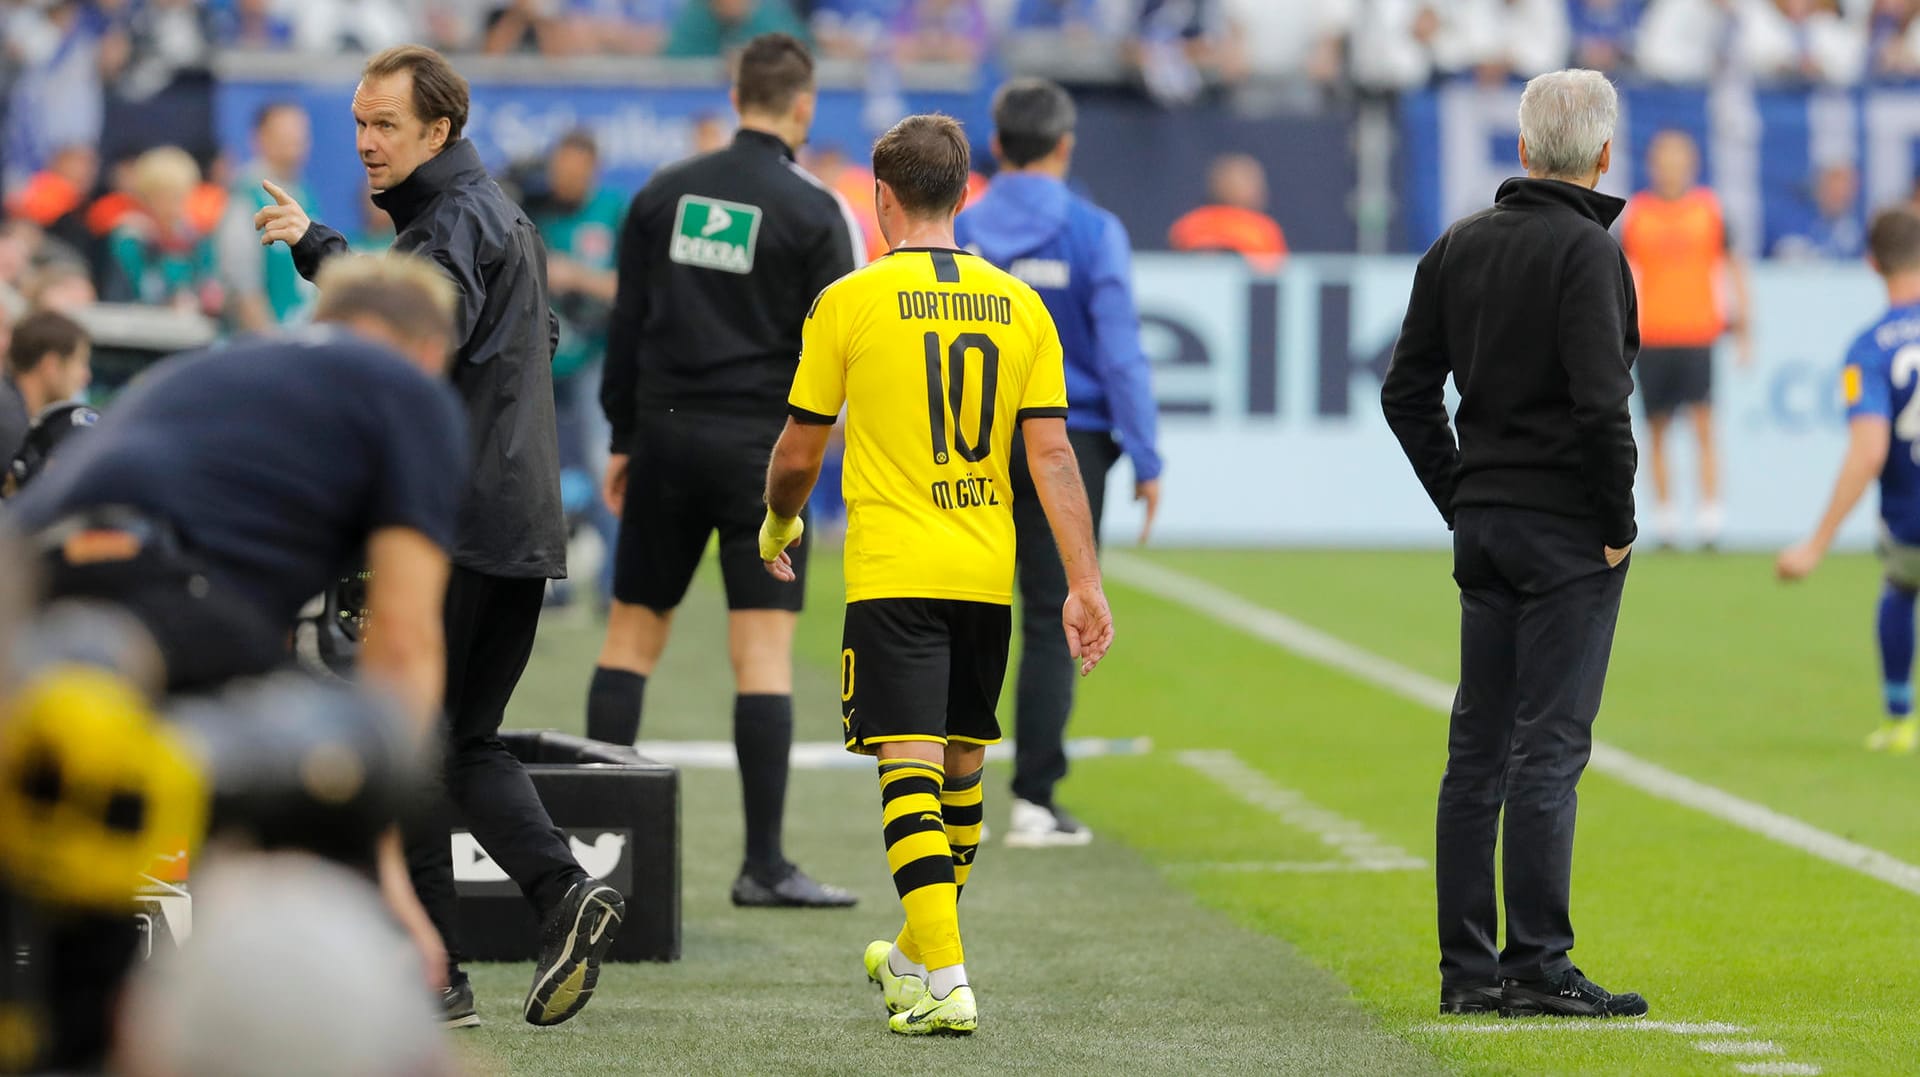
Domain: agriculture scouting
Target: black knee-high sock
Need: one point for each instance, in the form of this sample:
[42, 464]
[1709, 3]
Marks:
[613, 705]
[763, 739]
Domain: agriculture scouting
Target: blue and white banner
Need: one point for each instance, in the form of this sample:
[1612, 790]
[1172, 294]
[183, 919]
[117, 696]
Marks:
[1271, 426]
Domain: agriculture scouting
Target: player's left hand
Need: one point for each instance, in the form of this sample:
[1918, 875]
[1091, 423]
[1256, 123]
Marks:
[1089, 625]
[777, 536]
[282, 222]
[1147, 494]
[1797, 562]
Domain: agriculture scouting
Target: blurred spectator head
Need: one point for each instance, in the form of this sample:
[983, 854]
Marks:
[398, 299]
[282, 138]
[50, 353]
[295, 969]
[410, 105]
[60, 188]
[78, 164]
[162, 181]
[1673, 163]
[1033, 121]
[1893, 241]
[773, 83]
[920, 170]
[573, 167]
[1238, 180]
[731, 11]
[63, 286]
[710, 132]
[1836, 188]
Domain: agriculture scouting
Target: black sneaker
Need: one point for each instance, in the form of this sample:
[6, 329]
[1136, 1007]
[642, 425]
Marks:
[1458, 1001]
[794, 890]
[1570, 994]
[575, 938]
[456, 1006]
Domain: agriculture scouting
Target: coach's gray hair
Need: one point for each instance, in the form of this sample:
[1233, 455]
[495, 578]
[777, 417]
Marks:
[1567, 118]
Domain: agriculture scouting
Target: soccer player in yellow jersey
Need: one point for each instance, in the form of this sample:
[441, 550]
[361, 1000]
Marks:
[938, 357]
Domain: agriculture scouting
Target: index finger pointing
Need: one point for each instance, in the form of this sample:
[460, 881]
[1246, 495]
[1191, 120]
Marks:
[279, 196]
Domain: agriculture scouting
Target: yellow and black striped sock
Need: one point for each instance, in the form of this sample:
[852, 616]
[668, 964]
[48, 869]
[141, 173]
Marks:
[961, 805]
[921, 861]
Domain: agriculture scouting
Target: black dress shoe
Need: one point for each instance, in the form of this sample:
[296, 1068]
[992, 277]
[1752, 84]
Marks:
[793, 890]
[1455, 1001]
[1570, 994]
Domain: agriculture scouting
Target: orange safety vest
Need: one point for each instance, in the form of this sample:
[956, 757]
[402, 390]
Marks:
[1678, 251]
[1230, 228]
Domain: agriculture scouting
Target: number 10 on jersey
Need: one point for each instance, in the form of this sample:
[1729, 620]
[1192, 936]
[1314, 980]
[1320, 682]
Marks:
[947, 384]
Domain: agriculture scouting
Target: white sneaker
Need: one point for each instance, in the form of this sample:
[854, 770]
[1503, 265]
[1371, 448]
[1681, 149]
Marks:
[1035, 826]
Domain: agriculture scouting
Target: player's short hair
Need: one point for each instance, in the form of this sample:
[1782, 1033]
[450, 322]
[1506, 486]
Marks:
[926, 161]
[771, 71]
[1566, 119]
[1893, 238]
[579, 139]
[40, 334]
[1030, 117]
[407, 293]
[439, 92]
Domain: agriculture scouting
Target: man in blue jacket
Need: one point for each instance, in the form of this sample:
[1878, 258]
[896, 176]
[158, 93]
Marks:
[1076, 255]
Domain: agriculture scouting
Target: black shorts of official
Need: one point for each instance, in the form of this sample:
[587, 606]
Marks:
[688, 476]
[922, 669]
[1672, 379]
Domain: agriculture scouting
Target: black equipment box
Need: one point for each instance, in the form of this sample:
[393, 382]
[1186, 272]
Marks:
[621, 814]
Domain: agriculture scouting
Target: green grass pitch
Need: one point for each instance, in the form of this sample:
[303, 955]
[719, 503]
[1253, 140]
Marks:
[1175, 945]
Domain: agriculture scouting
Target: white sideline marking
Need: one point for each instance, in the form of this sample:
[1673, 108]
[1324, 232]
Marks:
[1739, 1047]
[1299, 867]
[1308, 642]
[1549, 1024]
[1780, 1069]
[1360, 849]
[827, 755]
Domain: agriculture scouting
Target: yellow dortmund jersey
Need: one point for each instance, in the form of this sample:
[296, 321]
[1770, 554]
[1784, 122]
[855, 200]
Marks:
[938, 356]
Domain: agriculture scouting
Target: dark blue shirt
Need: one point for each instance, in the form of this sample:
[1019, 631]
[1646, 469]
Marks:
[1881, 376]
[274, 458]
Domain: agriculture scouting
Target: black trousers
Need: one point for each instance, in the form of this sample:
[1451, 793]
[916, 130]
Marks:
[1537, 611]
[1044, 697]
[490, 623]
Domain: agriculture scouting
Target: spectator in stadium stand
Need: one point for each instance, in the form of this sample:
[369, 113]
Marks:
[260, 25]
[1496, 40]
[1529, 307]
[1078, 17]
[1235, 219]
[65, 50]
[1293, 42]
[1686, 42]
[580, 222]
[1182, 44]
[156, 255]
[524, 26]
[229, 486]
[620, 27]
[64, 286]
[1801, 41]
[351, 26]
[718, 27]
[1077, 256]
[410, 108]
[1396, 44]
[262, 286]
[1602, 33]
[59, 189]
[1830, 228]
[852, 29]
[47, 363]
[720, 258]
[941, 31]
[1677, 240]
[1893, 43]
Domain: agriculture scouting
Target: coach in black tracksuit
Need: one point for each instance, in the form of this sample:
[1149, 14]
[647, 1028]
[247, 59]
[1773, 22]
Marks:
[720, 257]
[1530, 307]
[510, 539]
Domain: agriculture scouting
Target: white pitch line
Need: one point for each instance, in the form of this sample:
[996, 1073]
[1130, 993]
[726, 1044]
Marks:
[829, 755]
[1779, 1069]
[1739, 1047]
[1301, 867]
[1549, 1024]
[1356, 845]
[1650, 778]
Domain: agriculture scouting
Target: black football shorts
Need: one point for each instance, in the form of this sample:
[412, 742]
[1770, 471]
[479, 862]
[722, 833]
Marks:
[922, 669]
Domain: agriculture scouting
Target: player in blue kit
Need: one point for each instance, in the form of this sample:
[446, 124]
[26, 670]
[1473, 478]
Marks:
[1881, 383]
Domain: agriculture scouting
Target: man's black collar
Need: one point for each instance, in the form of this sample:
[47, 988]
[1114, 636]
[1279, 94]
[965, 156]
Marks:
[749, 137]
[456, 165]
[1603, 209]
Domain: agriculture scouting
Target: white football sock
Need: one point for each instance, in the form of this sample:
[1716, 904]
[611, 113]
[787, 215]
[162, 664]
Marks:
[1711, 521]
[898, 964]
[941, 982]
[1666, 524]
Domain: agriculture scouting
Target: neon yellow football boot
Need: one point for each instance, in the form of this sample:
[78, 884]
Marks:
[901, 992]
[954, 1015]
[1896, 736]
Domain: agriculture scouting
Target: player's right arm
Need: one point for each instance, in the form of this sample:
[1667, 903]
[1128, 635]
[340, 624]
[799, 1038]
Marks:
[1869, 439]
[286, 222]
[620, 373]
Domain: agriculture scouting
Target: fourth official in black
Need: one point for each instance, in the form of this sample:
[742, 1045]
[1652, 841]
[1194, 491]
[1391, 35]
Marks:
[1530, 307]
